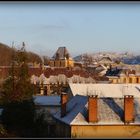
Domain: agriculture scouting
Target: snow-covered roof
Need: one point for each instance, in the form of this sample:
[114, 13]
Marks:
[74, 106]
[112, 77]
[106, 90]
[105, 59]
[110, 111]
[122, 74]
[47, 100]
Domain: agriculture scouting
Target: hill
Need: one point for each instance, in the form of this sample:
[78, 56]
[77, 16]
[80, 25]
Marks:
[6, 55]
[126, 58]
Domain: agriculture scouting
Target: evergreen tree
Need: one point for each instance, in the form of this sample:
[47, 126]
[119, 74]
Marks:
[19, 115]
[19, 109]
[17, 87]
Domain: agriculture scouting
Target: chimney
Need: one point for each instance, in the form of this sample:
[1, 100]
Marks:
[64, 99]
[128, 108]
[92, 108]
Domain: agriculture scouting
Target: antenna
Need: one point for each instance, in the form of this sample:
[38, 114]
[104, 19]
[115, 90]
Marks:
[23, 46]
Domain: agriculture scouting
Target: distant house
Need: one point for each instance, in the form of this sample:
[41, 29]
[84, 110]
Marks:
[101, 70]
[105, 60]
[98, 71]
[49, 105]
[61, 58]
[46, 80]
[113, 113]
[121, 75]
[55, 77]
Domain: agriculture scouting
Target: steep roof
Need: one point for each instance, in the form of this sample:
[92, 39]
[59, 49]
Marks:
[105, 59]
[61, 52]
[74, 106]
[110, 111]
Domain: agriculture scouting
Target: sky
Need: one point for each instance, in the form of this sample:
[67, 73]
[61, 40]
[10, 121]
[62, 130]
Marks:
[82, 27]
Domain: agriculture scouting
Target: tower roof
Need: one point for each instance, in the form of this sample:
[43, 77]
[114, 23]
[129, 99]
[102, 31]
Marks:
[62, 53]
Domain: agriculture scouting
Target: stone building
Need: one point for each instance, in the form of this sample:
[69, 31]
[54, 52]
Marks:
[61, 58]
[116, 75]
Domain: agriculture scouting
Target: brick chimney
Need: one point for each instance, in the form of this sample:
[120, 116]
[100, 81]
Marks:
[64, 99]
[128, 108]
[92, 108]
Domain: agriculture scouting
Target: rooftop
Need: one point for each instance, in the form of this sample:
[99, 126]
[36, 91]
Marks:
[110, 111]
[47, 100]
[61, 53]
[106, 90]
[105, 59]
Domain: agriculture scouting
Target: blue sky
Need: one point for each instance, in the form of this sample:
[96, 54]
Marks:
[80, 26]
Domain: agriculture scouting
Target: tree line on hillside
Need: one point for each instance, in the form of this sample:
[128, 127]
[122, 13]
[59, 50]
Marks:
[19, 116]
[6, 56]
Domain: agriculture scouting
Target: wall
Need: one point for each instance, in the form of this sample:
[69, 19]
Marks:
[62, 130]
[138, 79]
[130, 79]
[118, 131]
[51, 124]
[61, 63]
[114, 81]
[51, 63]
[48, 110]
[70, 63]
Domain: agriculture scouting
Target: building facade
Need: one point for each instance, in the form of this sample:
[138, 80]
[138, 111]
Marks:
[61, 58]
[106, 115]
